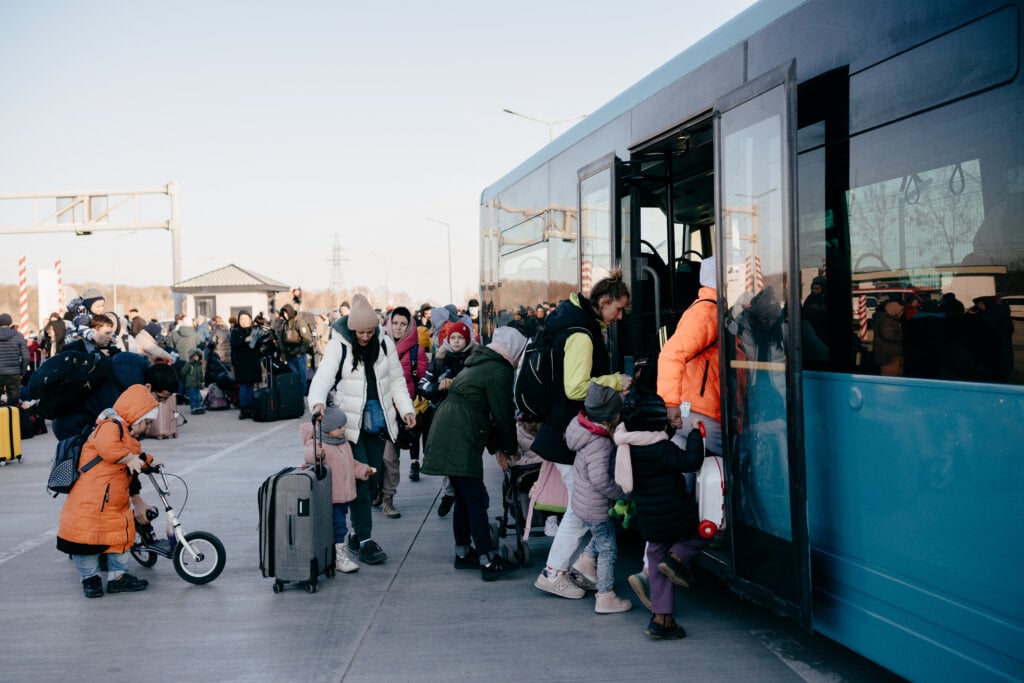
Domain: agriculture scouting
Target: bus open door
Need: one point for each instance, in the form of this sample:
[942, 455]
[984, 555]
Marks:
[759, 313]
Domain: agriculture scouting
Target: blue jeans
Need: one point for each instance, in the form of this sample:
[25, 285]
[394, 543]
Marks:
[469, 515]
[195, 399]
[340, 528]
[89, 565]
[603, 545]
[245, 395]
[299, 364]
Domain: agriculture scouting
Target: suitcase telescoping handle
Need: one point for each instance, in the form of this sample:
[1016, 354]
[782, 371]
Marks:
[318, 447]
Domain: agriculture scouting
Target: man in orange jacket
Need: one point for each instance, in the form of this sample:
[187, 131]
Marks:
[688, 375]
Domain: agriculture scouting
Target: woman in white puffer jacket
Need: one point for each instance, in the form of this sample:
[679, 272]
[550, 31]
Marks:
[361, 367]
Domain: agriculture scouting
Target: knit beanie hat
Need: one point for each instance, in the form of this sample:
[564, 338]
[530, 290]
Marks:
[333, 418]
[602, 403]
[460, 328]
[91, 296]
[509, 342]
[5, 320]
[709, 273]
[362, 315]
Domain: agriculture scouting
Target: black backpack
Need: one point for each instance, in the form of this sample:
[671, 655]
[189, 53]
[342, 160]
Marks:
[535, 381]
[64, 382]
[64, 471]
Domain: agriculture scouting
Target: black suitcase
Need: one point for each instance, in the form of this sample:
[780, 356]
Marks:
[290, 396]
[264, 405]
[297, 526]
[32, 422]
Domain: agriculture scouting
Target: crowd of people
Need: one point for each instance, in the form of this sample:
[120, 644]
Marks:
[386, 381]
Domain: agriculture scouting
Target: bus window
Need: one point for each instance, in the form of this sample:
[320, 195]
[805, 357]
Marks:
[938, 232]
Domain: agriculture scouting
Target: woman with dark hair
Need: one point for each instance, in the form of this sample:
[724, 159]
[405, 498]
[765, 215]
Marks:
[576, 330]
[362, 370]
[402, 328]
[245, 359]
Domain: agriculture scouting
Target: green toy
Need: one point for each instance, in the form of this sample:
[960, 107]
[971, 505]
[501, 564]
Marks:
[626, 510]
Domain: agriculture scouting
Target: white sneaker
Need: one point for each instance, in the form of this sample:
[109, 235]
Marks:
[342, 562]
[551, 526]
[561, 586]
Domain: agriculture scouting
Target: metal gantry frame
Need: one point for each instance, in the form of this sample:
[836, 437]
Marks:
[83, 212]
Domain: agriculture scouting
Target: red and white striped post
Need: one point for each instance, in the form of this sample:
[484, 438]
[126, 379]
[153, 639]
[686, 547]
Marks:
[862, 315]
[60, 287]
[585, 277]
[754, 280]
[22, 297]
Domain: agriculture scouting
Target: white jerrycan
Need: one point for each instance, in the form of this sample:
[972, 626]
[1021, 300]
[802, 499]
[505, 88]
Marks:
[710, 491]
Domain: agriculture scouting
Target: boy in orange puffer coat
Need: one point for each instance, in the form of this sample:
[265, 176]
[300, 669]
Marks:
[97, 516]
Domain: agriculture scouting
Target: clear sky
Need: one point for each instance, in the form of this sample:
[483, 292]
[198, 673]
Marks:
[285, 124]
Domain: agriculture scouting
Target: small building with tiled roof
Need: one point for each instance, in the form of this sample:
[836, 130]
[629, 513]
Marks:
[227, 291]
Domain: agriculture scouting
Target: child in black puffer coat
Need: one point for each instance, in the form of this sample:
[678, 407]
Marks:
[652, 467]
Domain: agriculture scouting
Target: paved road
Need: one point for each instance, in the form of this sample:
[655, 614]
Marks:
[414, 618]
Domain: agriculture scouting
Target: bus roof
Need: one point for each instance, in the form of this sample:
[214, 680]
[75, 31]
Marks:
[731, 33]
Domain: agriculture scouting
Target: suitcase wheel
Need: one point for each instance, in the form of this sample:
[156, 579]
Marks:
[311, 587]
[278, 586]
[174, 436]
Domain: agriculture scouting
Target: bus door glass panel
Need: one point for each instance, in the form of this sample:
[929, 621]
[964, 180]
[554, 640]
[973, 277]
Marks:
[756, 275]
[596, 227]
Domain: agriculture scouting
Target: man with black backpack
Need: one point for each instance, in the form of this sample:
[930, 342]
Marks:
[575, 333]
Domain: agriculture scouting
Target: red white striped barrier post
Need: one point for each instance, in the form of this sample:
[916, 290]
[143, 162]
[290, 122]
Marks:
[22, 297]
[862, 315]
[754, 280]
[60, 287]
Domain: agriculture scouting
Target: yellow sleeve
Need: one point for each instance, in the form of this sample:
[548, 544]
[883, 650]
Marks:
[578, 364]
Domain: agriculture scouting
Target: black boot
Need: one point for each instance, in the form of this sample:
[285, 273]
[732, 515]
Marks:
[93, 587]
[414, 470]
[244, 413]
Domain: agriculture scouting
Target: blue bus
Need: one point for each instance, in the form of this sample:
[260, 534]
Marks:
[827, 152]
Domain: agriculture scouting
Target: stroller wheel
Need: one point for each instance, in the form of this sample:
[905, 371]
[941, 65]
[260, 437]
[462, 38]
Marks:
[522, 555]
[495, 534]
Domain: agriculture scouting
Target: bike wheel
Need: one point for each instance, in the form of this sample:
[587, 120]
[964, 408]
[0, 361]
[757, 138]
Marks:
[144, 557]
[211, 559]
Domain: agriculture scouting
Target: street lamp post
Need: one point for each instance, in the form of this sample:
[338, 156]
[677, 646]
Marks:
[549, 124]
[448, 228]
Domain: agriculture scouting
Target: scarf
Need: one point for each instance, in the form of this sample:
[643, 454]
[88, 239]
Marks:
[623, 459]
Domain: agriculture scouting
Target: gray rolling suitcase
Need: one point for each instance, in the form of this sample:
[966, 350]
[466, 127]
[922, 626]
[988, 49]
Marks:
[297, 525]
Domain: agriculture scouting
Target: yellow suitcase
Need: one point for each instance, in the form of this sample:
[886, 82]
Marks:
[10, 434]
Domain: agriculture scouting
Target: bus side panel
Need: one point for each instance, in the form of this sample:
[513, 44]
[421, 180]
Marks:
[914, 515]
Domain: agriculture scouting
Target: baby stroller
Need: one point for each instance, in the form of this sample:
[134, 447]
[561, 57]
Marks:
[532, 483]
[515, 487]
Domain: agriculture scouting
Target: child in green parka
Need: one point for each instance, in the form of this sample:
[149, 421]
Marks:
[192, 378]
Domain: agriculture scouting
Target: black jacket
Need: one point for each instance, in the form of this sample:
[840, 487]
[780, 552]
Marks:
[550, 441]
[665, 511]
[245, 360]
